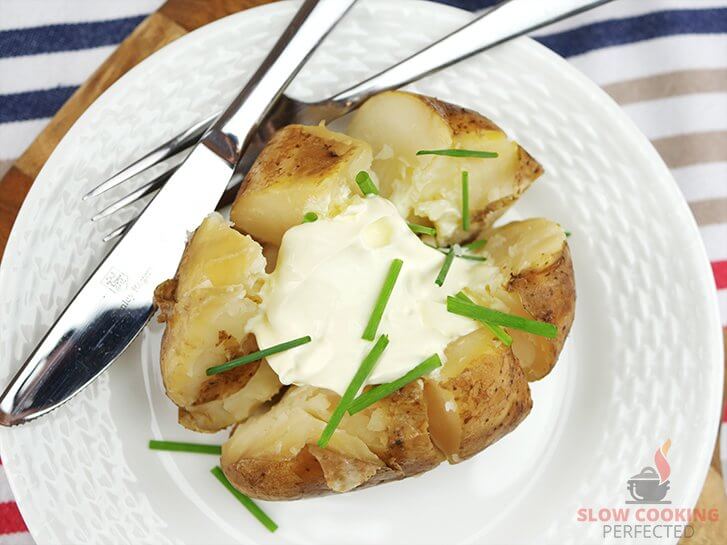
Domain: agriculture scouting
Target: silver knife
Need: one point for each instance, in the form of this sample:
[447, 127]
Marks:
[115, 303]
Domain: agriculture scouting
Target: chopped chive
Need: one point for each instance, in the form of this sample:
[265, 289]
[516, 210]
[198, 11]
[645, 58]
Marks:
[422, 229]
[465, 200]
[445, 267]
[174, 446]
[477, 312]
[472, 257]
[475, 245]
[363, 373]
[459, 153]
[254, 356]
[250, 505]
[496, 330]
[384, 390]
[378, 312]
[310, 217]
[446, 250]
[568, 233]
[366, 184]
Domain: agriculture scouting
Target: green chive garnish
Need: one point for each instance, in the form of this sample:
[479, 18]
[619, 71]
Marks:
[254, 356]
[472, 257]
[476, 312]
[568, 233]
[378, 312]
[310, 217]
[364, 370]
[366, 184]
[465, 200]
[174, 446]
[445, 267]
[475, 245]
[384, 390]
[422, 229]
[245, 501]
[459, 153]
[496, 330]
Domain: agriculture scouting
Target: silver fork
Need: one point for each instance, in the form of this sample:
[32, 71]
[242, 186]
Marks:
[508, 20]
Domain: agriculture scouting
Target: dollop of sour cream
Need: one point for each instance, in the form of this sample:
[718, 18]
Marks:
[327, 279]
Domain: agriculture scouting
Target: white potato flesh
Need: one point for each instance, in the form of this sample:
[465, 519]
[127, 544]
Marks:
[427, 189]
[297, 420]
[217, 292]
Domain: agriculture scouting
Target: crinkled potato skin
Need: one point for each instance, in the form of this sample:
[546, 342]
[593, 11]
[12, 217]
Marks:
[549, 295]
[482, 392]
[405, 450]
[492, 396]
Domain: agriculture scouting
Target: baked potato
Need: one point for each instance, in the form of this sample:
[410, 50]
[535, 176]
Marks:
[480, 393]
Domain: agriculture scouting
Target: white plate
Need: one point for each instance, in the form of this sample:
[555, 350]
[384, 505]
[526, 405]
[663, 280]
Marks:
[643, 362]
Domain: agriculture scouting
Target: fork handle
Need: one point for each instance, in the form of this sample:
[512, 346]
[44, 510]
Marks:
[508, 20]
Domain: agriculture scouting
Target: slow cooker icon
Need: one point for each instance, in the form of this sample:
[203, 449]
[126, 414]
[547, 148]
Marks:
[646, 487]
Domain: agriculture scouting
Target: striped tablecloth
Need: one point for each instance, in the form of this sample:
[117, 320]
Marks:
[664, 61]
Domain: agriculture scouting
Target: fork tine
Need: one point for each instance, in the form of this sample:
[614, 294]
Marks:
[167, 149]
[120, 230]
[135, 195]
[227, 198]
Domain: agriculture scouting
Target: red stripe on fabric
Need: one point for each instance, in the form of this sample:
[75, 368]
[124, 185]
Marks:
[10, 519]
[719, 268]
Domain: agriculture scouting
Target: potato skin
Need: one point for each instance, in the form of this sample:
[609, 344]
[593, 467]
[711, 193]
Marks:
[302, 476]
[285, 479]
[410, 449]
[549, 295]
[492, 397]
[405, 450]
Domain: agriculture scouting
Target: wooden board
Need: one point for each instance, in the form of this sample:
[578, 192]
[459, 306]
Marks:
[174, 19]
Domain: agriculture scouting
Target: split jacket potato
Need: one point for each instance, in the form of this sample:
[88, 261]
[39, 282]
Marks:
[480, 394]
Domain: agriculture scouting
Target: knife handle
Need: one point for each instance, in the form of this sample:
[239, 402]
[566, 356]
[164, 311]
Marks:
[232, 131]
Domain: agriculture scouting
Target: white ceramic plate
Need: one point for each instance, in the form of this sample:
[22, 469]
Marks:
[643, 362]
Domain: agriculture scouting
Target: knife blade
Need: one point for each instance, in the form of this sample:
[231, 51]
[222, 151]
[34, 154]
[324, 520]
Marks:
[115, 303]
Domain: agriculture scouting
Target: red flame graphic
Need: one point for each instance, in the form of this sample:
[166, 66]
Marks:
[662, 466]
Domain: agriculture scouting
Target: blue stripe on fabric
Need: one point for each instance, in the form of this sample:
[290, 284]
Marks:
[33, 104]
[635, 29]
[45, 103]
[471, 5]
[66, 37]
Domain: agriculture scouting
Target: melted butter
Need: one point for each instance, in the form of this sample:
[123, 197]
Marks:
[328, 276]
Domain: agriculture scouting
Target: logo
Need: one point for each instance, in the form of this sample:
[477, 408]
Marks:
[651, 485]
[646, 512]
[115, 281]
